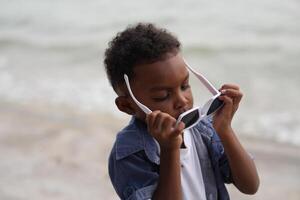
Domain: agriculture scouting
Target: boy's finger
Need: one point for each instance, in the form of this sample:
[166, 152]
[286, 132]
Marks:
[232, 92]
[151, 118]
[236, 95]
[227, 101]
[158, 121]
[230, 86]
[178, 129]
[168, 123]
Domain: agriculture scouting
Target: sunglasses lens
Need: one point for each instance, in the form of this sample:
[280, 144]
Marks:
[190, 118]
[215, 105]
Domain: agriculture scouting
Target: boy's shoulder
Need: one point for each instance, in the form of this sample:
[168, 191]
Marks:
[135, 137]
[132, 139]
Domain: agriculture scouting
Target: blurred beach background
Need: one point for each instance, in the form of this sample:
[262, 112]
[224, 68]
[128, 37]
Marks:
[58, 120]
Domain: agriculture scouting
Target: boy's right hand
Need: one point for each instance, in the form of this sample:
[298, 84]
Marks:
[162, 127]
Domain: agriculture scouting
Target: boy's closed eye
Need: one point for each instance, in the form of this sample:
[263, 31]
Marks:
[165, 94]
[161, 96]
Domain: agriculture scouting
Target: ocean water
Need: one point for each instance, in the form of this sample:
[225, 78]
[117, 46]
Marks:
[51, 52]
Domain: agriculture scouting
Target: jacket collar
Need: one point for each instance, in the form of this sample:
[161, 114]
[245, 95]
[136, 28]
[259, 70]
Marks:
[134, 138]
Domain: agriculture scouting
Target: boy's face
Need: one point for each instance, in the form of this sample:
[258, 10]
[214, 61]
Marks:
[162, 85]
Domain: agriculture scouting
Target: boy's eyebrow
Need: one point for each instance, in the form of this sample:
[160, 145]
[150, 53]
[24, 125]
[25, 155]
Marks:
[153, 89]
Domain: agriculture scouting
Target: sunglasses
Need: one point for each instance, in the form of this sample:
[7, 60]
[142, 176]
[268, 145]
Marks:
[193, 116]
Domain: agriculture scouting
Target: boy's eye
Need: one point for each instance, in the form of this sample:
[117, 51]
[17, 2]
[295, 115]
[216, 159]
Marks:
[161, 97]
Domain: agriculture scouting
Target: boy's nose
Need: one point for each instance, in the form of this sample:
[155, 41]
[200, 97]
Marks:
[181, 100]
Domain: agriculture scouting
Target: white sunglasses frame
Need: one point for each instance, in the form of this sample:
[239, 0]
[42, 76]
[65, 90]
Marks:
[202, 111]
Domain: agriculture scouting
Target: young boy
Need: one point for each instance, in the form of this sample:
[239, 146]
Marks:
[153, 157]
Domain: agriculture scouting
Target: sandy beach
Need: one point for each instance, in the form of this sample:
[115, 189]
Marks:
[58, 153]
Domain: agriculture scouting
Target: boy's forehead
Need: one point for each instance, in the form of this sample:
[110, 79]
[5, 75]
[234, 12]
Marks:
[171, 69]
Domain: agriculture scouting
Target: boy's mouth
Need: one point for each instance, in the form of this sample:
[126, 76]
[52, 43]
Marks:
[181, 111]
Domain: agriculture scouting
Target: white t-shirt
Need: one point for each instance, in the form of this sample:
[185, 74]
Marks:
[191, 175]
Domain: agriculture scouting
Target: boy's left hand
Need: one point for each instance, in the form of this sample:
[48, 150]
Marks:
[231, 95]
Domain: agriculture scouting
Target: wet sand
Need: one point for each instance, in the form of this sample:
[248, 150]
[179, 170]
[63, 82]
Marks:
[58, 153]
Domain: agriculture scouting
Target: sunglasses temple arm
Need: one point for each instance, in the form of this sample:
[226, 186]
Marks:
[143, 107]
[205, 82]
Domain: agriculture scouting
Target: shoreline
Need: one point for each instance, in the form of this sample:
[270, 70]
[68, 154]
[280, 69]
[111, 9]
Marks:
[58, 153]
[278, 167]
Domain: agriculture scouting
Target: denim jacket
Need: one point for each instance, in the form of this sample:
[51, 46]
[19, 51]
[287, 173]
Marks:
[134, 162]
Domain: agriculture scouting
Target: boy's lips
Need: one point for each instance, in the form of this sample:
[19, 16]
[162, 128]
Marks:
[180, 112]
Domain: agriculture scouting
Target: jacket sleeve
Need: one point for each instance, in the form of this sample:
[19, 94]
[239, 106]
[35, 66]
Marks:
[219, 152]
[133, 177]
[225, 169]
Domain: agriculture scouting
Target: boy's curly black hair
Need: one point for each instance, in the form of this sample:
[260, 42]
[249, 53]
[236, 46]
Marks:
[143, 43]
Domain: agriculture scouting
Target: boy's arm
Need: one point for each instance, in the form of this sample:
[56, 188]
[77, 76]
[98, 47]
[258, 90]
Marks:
[242, 167]
[169, 183]
[244, 173]
[160, 126]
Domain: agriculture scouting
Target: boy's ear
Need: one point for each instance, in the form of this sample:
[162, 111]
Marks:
[124, 105]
